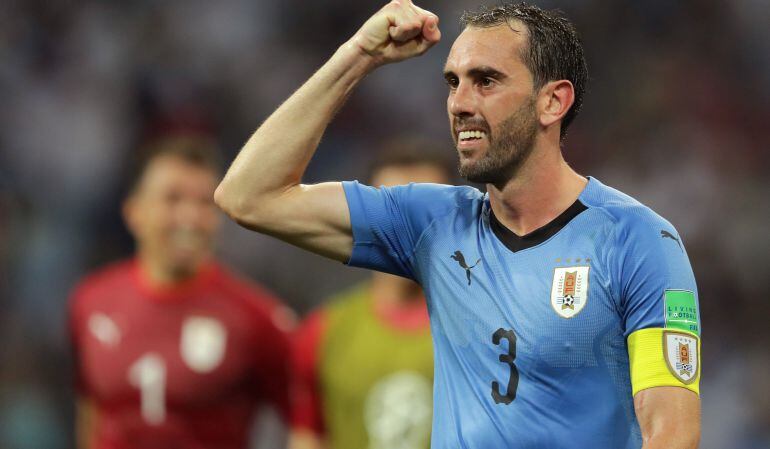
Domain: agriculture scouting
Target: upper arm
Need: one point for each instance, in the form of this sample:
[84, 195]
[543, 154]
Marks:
[651, 271]
[305, 439]
[669, 417]
[389, 223]
[307, 423]
[85, 410]
[376, 228]
[313, 217]
[74, 325]
[272, 364]
[306, 410]
[659, 306]
[85, 422]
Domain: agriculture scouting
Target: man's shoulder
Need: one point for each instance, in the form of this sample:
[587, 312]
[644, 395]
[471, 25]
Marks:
[257, 298]
[229, 281]
[114, 275]
[627, 214]
[98, 287]
[441, 193]
[432, 203]
[427, 196]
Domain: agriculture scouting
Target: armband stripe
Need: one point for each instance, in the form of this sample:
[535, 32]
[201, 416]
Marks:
[663, 357]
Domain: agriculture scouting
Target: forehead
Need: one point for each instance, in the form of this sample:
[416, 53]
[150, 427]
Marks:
[168, 171]
[496, 46]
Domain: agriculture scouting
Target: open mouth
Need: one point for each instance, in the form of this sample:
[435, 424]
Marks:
[471, 135]
[187, 240]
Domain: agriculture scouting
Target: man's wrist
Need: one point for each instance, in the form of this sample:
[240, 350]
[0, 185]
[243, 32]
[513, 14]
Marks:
[356, 58]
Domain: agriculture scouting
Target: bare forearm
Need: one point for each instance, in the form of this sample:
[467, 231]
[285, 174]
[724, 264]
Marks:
[277, 154]
[262, 189]
[671, 432]
[669, 418]
[305, 439]
[672, 441]
[84, 423]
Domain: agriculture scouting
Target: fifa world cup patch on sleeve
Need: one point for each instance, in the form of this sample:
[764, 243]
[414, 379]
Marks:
[681, 311]
[681, 352]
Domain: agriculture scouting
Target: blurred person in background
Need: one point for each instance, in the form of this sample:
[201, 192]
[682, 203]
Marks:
[363, 363]
[172, 349]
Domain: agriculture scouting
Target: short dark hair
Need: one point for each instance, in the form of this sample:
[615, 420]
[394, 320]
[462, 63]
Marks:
[196, 150]
[554, 51]
[409, 151]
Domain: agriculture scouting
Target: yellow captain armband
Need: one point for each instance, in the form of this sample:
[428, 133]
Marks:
[664, 358]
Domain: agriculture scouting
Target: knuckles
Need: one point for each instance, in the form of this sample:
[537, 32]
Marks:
[413, 25]
[403, 23]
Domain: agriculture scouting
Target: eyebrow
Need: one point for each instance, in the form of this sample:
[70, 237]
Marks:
[480, 72]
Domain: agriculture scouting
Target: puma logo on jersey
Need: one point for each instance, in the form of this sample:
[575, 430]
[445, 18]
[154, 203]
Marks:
[458, 256]
[667, 235]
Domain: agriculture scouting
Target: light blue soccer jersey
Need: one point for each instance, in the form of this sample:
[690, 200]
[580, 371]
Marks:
[529, 340]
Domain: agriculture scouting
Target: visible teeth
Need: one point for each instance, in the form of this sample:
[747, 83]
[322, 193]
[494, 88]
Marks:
[467, 135]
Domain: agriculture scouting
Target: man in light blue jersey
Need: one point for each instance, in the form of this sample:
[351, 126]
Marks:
[564, 313]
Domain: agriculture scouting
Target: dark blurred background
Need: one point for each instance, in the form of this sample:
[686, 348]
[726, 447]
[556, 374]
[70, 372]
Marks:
[676, 115]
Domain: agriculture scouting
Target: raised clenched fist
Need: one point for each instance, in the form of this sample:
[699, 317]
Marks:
[398, 31]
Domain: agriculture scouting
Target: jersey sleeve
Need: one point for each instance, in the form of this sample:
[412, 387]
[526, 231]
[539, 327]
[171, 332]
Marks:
[273, 322]
[388, 222]
[653, 272]
[306, 410]
[658, 302]
[275, 370]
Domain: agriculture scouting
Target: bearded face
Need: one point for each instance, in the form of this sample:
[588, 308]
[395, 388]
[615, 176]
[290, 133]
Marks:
[509, 145]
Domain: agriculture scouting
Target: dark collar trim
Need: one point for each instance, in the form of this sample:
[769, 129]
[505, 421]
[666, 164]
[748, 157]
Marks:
[538, 236]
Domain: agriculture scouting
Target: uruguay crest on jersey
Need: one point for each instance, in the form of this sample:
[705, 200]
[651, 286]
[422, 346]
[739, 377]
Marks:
[681, 350]
[569, 290]
[203, 343]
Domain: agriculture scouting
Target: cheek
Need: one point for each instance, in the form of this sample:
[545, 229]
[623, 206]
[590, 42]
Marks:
[159, 224]
[211, 220]
[203, 215]
[150, 229]
[160, 217]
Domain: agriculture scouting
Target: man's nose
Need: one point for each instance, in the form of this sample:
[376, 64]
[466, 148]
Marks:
[462, 102]
[190, 213]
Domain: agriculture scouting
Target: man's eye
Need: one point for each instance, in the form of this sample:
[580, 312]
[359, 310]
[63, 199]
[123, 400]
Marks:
[451, 82]
[173, 198]
[486, 82]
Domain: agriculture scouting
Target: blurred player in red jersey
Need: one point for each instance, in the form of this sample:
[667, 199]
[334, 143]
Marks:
[363, 363]
[172, 350]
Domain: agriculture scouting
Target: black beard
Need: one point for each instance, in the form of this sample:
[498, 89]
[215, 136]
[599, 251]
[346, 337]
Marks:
[508, 152]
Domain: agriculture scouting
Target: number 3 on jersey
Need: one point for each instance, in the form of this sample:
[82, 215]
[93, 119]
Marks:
[508, 358]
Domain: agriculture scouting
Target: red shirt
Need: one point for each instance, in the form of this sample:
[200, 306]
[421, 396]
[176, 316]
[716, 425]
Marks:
[177, 368]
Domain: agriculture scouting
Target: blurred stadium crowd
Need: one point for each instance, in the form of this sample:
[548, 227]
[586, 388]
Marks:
[676, 115]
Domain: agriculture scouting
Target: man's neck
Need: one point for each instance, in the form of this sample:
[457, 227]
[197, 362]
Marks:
[539, 192]
[392, 291]
[158, 276]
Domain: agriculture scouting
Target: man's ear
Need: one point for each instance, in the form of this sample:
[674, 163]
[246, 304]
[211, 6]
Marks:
[554, 101]
[130, 216]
